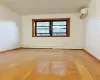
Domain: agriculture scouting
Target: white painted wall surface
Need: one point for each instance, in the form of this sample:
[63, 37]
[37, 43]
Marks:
[92, 29]
[10, 28]
[75, 41]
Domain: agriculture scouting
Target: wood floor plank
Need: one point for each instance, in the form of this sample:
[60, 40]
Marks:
[48, 64]
[85, 75]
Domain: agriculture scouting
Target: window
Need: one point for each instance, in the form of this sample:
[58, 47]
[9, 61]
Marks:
[51, 27]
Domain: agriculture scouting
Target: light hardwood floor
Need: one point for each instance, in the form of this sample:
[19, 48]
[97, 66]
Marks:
[48, 64]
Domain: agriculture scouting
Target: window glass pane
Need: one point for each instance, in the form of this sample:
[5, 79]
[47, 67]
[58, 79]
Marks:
[59, 34]
[43, 34]
[59, 22]
[42, 24]
[59, 30]
[42, 28]
[59, 27]
[43, 31]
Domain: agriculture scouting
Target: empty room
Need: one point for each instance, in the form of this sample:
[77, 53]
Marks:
[49, 39]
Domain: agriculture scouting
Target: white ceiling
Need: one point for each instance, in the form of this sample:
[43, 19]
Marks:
[29, 7]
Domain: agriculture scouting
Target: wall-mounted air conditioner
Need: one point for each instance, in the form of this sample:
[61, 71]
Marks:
[83, 12]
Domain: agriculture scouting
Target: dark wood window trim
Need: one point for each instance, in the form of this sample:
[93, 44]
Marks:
[54, 19]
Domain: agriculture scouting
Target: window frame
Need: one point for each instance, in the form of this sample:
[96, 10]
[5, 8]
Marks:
[52, 19]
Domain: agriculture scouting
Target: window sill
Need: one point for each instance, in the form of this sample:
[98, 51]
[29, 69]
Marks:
[50, 36]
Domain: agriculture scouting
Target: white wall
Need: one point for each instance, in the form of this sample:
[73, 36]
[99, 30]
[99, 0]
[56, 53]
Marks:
[10, 26]
[75, 41]
[92, 29]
